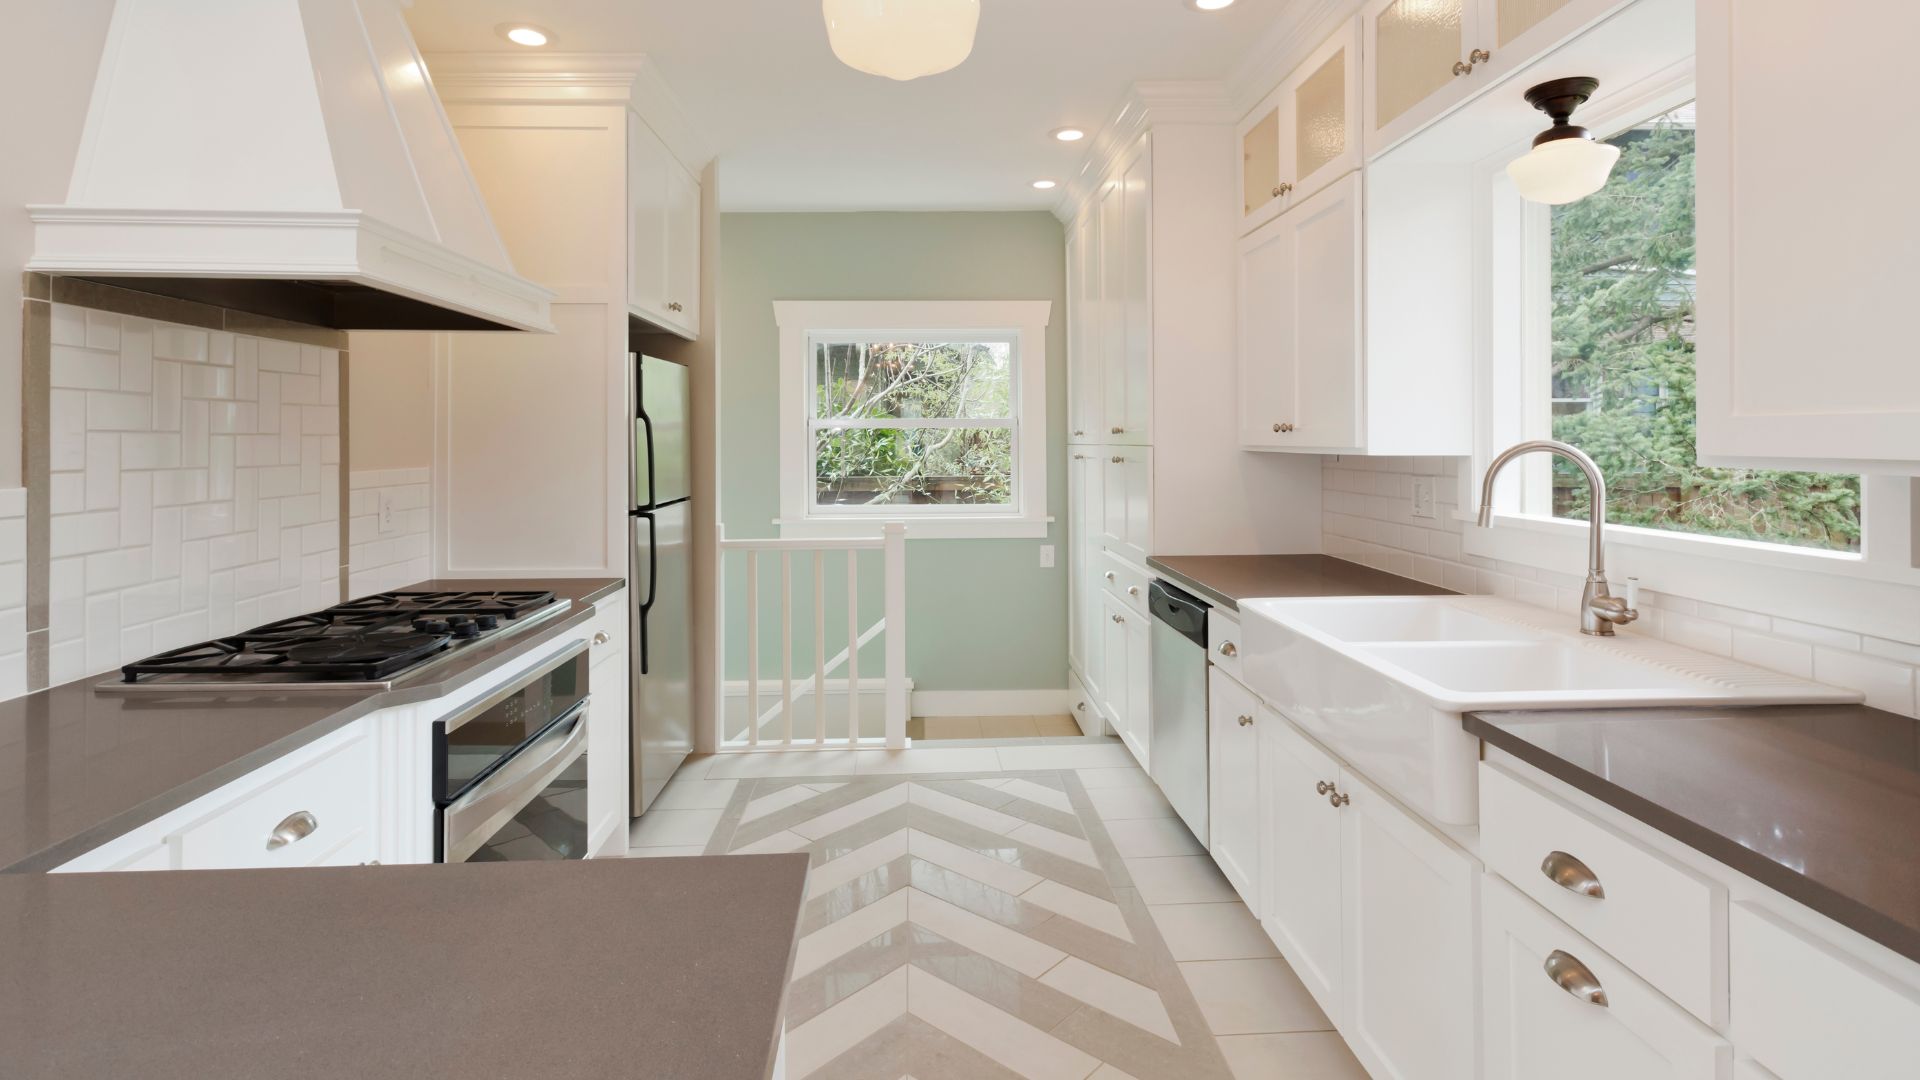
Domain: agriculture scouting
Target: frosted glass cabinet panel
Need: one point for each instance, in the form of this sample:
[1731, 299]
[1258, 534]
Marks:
[1306, 134]
[1516, 17]
[1416, 44]
[1260, 162]
[1320, 116]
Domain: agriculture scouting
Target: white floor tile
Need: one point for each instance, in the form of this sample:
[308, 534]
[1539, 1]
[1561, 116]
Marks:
[1250, 997]
[784, 763]
[984, 936]
[833, 940]
[664, 852]
[1147, 838]
[1038, 793]
[1123, 998]
[846, 1024]
[1108, 1072]
[994, 873]
[959, 759]
[831, 875]
[961, 810]
[1102, 915]
[1122, 804]
[1001, 1036]
[1059, 843]
[1133, 776]
[673, 828]
[1307, 1055]
[773, 845]
[1181, 879]
[777, 800]
[853, 813]
[1212, 932]
[1100, 756]
[684, 794]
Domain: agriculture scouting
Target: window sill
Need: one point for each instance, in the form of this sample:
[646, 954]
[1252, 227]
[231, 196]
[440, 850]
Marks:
[952, 527]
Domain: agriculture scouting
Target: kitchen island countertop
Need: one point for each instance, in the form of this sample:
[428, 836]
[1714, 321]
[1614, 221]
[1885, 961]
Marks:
[1225, 580]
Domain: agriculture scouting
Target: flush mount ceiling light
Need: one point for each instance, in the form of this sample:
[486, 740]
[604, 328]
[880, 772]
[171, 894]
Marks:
[1566, 164]
[901, 39]
[522, 34]
[1044, 185]
[1209, 5]
[1068, 134]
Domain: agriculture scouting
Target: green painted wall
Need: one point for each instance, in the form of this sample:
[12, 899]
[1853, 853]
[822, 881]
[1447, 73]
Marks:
[982, 615]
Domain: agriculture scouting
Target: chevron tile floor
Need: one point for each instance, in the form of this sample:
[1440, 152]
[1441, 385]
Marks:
[1026, 910]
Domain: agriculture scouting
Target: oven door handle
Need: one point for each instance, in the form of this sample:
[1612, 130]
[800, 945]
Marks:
[474, 817]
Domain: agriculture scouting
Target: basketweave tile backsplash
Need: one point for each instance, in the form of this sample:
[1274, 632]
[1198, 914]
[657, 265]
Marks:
[194, 487]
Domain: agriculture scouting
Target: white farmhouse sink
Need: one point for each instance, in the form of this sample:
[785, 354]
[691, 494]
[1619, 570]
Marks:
[1382, 681]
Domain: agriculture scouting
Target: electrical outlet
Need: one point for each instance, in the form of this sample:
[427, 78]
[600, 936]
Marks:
[386, 512]
[1423, 497]
[1046, 556]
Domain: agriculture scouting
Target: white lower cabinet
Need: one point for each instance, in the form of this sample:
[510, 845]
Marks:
[1409, 897]
[1233, 783]
[1124, 674]
[1300, 856]
[609, 727]
[1556, 1005]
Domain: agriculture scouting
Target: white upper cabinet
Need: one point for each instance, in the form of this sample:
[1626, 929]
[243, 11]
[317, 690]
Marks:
[1086, 402]
[663, 223]
[1300, 358]
[1305, 134]
[1801, 366]
[1114, 402]
[1423, 57]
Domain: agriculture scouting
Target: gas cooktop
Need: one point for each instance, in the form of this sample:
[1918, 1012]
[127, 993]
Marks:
[360, 644]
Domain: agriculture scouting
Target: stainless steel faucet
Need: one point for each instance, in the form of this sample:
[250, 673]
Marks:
[1599, 608]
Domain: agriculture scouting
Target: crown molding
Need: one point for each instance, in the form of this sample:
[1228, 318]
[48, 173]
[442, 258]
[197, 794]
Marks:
[1297, 32]
[1146, 105]
[560, 78]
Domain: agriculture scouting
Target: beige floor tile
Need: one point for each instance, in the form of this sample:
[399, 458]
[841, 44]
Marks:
[831, 941]
[684, 794]
[773, 801]
[961, 810]
[1131, 776]
[1102, 915]
[1038, 793]
[853, 813]
[1181, 879]
[994, 873]
[1250, 997]
[664, 852]
[934, 759]
[779, 842]
[1146, 838]
[673, 828]
[982, 935]
[953, 727]
[1108, 1072]
[1212, 932]
[1062, 725]
[1123, 998]
[1309, 1055]
[1059, 843]
[785, 763]
[831, 875]
[1008, 727]
[1101, 755]
[1123, 804]
[846, 1024]
[1012, 1042]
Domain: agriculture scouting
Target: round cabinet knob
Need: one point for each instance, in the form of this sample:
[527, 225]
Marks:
[600, 637]
[1338, 799]
[1322, 787]
[1080, 706]
[1478, 57]
[1119, 431]
[1110, 576]
[1278, 428]
[1118, 460]
[1117, 618]
[1133, 590]
[1461, 67]
[1079, 433]
[1229, 649]
[1245, 721]
[1282, 190]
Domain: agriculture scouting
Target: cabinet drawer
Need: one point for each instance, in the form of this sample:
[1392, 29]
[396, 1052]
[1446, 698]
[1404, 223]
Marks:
[1659, 918]
[1127, 582]
[337, 790]
[1806, 1010]
[610, 627]
[1223, 641]
[1534, 972]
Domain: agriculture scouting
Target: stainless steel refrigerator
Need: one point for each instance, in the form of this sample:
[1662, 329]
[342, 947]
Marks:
[662, 595]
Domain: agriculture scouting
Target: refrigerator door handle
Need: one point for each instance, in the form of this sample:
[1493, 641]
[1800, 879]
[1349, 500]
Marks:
[643, 452]
[653, 563]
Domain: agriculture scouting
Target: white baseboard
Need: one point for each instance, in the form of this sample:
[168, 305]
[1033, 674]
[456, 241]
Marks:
[991, 702]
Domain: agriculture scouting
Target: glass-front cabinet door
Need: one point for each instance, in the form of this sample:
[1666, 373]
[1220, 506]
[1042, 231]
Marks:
[1325, 99]
[1260, 161]
[1419, 55]
[1515, 17]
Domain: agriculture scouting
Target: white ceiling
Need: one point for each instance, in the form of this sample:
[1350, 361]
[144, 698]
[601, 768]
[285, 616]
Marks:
[794, 129]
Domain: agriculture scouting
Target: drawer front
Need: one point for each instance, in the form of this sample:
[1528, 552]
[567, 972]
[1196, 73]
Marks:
[1223, 641]
[337, 790]
[1659, 918]
[610, 628]
[1127, 582]
[1807, 1011]
[1535, 972]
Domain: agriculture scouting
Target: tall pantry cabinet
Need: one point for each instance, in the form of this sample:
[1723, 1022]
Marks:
[1154, 463]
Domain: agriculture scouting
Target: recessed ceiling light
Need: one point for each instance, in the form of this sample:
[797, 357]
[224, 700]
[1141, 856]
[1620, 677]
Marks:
[1210, 5]
[1069, 134]
[523, 34]
[1043, 185]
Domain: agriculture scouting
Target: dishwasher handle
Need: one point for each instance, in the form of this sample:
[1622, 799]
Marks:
[1182, 612]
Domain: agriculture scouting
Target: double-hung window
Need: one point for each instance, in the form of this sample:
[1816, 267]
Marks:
[931, 413]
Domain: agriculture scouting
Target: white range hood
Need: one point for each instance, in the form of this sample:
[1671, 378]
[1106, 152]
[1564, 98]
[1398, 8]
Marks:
[287, 157]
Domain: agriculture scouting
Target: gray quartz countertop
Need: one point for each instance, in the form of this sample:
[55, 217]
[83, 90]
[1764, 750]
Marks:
[1225, 580]
[79, 767]
[672, 967]
[1819, 802]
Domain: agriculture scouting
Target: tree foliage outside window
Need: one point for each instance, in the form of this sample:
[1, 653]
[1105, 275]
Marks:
[1623, 365]
[906, 423]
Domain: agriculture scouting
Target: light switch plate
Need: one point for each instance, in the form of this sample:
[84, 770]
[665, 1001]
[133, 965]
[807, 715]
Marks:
[1423, 497]
[1046, 556]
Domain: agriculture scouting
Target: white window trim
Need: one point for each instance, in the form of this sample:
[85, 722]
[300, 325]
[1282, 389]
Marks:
[1829, 588]
[1026, 320]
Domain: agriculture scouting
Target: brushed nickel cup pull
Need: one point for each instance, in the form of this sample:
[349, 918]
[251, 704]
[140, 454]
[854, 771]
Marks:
[293, 828]
[1322, 787]
[1572, 875]
[1575, 978]
[1246, 721]
[1229, 649]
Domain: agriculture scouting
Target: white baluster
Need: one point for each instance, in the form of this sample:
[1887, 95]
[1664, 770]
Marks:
[786, 646]
[853, 647]
[896, 571]
[753, 647]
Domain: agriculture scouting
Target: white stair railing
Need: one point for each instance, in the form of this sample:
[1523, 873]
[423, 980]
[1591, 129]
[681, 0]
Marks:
[773, 728]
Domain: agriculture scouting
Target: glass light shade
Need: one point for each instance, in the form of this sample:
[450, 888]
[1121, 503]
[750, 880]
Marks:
[1563, 171]
[901, 39]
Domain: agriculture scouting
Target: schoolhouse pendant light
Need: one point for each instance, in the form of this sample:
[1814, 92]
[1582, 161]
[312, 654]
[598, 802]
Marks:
[901, 39]
[1566, 163]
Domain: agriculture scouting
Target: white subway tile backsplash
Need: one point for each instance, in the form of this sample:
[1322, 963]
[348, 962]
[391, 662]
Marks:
[85, 369]
[389, 560]
[136, 356]
[171, 342]
[166, 397]
[110, 410]
[1366, 519]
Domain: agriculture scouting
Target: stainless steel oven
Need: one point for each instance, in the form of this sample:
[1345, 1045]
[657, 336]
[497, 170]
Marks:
[510, 771]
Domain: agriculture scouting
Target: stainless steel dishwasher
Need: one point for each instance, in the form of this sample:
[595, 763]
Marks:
[1177, 646]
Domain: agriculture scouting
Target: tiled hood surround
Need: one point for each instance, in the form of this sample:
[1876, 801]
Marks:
[217, 164]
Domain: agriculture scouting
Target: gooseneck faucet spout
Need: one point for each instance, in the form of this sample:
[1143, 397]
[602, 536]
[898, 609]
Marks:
[1600, 610]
